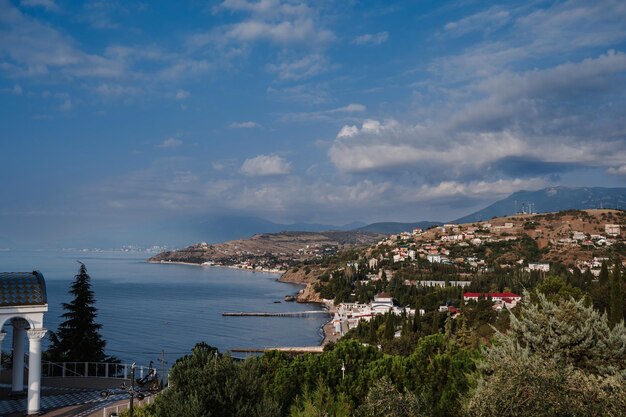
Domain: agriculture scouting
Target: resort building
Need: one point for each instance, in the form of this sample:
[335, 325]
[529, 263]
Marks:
[349, 315]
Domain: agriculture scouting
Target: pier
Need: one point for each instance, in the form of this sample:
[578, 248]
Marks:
[280, 314]
[287, 349]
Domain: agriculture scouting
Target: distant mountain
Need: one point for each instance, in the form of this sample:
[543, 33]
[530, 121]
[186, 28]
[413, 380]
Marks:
[223, 228]
[550, 200]
[395, 227]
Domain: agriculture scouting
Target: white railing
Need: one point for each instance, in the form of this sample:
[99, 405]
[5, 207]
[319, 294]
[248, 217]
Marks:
[91, 370]
[114, 410]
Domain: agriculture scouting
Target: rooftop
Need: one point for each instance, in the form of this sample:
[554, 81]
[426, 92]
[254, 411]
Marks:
[22, 289]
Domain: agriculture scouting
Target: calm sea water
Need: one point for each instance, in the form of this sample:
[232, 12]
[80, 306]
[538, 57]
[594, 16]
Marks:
[146, 308]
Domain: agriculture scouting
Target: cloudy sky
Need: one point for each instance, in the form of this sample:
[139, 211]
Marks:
[125, 113]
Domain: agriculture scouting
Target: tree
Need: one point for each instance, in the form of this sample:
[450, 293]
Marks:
[78, 338]
[207, 384]
[616, 307]
[384, 400]
[559, 359]
[320, 403]
[604, 273]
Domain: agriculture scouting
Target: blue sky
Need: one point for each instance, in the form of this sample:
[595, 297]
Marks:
[118, 114]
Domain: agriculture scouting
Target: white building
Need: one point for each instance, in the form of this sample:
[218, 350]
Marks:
[434, 258]
[349, 315]
[539, 266]
[612, 229]
[500, 300]
[440, 283]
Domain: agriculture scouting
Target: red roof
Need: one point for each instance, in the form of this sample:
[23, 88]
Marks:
[491, 294]
[383, 295]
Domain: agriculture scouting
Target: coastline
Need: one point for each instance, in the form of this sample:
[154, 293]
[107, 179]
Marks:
[327, 329]
[267, 271]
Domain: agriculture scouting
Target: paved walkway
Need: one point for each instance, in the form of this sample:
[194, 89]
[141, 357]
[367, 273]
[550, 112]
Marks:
[66, 397]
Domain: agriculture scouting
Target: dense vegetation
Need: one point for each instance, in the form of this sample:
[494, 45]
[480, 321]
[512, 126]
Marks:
[557, 354]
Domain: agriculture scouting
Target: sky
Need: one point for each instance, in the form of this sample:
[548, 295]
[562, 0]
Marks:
[118, 116]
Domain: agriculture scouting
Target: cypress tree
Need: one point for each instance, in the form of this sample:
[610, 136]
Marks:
[604, 273]
[616, 308]
[78, 338]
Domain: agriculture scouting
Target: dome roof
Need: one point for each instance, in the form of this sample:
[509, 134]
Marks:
[22, 289]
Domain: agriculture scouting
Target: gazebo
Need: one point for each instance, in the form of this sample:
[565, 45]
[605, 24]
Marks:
[23, 303]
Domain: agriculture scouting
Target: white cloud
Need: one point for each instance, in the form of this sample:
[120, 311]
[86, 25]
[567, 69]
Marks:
[526, 117]
[32, 48]
[281, 22]
[244, 125]
[170, 143]
[266, 165]
[486, 21]
[17, 90]
[618, 170]
[182, 94]
[535, 33]
[301, 68]
[371, 39]
[46, 4]
[285, 32]
[325, 114]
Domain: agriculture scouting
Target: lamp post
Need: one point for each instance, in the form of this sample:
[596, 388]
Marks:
[343, 371]
[132, 392]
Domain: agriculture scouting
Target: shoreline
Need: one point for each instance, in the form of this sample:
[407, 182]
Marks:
[327, 329]
[267, 271]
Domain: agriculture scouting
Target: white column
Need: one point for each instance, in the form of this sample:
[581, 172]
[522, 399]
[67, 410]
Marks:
[34, 369]
[2, 336]
[19, 330]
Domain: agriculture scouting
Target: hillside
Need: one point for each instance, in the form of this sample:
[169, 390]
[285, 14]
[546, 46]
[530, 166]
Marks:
[270, 250]
[551, 200]
[500, 246]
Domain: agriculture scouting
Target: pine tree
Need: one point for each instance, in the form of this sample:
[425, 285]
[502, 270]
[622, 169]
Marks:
[78, 338]
[558, 359]
[616, 308]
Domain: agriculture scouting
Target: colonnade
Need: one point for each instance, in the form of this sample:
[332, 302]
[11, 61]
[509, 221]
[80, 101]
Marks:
[22, 330]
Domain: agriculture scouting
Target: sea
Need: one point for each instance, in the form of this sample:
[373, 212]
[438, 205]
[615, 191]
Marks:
[146, 309]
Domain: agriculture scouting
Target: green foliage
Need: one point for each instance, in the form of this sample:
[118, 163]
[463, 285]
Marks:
[206, 384]
[559, 359]
[604, 273]
[616, 310]
[385, 400]
[556, 288]
[321, 403]
[78, 338]
[143, 411]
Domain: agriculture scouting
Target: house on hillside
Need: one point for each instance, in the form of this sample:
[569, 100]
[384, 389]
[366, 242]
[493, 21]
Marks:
[612, 229]
[500, 299]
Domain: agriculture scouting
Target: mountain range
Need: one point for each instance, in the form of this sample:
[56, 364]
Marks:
[551, 199]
